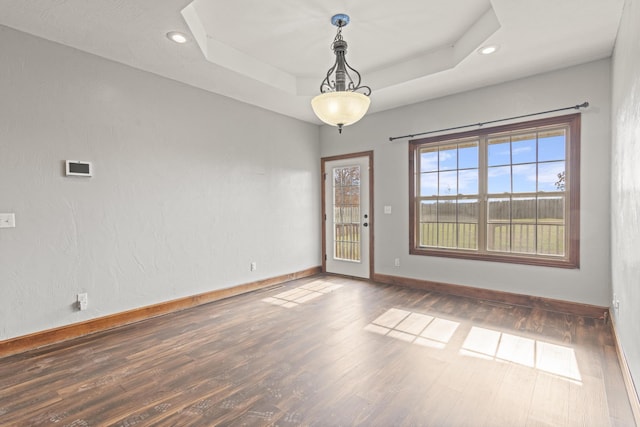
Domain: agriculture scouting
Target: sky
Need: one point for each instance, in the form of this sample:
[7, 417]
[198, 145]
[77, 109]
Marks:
[512, 166]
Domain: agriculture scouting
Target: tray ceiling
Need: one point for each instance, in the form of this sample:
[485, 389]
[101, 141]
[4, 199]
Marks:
[275, 54]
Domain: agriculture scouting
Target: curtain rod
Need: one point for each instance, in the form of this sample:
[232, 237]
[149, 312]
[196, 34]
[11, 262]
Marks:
[574, 107]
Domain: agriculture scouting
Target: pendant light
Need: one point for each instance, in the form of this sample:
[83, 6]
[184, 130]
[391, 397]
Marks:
[339, 104]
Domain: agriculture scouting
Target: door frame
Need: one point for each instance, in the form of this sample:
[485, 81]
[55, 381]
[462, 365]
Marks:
[323, 174]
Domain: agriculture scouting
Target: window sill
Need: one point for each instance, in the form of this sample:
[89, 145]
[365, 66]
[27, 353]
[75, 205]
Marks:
[507, 258]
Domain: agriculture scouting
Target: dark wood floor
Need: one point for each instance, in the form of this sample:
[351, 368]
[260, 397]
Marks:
[327, 351]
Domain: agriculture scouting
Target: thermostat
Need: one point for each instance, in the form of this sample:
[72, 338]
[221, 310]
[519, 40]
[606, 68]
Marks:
[78, 168]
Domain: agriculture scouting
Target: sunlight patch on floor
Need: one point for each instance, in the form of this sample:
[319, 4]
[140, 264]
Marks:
[414, 328]
[501, 346]
[483, 343]
[301, 294]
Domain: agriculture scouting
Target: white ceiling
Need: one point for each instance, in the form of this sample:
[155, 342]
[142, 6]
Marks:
[274, 54]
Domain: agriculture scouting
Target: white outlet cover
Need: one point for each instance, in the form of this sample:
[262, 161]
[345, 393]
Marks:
[83, 301]
[7, 220]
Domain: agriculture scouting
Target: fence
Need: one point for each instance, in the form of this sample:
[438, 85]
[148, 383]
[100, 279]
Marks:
[526, 225]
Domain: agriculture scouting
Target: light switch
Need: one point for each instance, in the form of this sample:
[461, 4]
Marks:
[387, 209]
[7, 220]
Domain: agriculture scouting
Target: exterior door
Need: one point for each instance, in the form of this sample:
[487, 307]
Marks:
[347, 215]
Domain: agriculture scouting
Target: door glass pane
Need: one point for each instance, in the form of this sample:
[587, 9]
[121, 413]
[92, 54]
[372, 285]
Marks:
[346, 213]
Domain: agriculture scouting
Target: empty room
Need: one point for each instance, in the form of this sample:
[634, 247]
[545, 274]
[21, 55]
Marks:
[319, 213]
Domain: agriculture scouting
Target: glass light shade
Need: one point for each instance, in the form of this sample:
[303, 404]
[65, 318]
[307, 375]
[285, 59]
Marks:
[341, 107]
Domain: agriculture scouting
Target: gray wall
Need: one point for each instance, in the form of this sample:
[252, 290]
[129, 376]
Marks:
[625, 185]
[590, 82]
[189, 188]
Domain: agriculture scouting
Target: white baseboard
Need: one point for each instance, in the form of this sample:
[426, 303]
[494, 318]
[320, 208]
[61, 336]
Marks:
[626, 375]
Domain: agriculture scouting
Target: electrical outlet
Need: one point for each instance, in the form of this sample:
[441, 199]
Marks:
[7, 220]
[254, 266]
[396, 262]
[82, 301]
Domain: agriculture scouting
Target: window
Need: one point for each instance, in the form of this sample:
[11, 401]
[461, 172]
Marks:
[508, 194]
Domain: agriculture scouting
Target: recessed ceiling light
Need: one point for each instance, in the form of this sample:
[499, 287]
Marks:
[177, 37]
[487, 50]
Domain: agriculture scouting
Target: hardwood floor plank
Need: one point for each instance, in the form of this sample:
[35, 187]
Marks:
[358, 353]
[588, 408]
[550, 401]
[512, 402]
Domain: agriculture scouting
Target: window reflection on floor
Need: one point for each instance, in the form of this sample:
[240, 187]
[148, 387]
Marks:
[436, 332]
[415, 328]
[301, 294]
[501, 346]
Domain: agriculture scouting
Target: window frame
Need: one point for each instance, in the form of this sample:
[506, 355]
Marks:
[571, 259]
